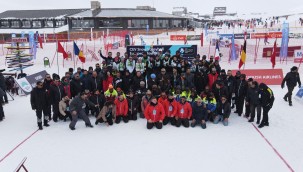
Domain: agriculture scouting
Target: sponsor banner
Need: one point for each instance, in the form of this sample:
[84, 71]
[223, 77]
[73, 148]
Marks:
[270, 35]
[299, 95]
[242, 35]
[296, 35]
[298, 56]
[178, 37]
[267, 76]
[193, 37]
[187, 51]
[19, 39]
[28, 83]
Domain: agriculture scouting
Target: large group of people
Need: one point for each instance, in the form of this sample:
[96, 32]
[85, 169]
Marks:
[163, 89]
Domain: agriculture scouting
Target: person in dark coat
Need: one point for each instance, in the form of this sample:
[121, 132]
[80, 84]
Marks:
[199, 113]
[291, 79]
[56, 95]
[137, 80]
[252, 99]
[133, 106]
[219, 91]
[230, 79]
[96, 82]
[97, 99]
[240, 92]
[77, 107]
[46, 86]
[2, 116]
[75, 85]
[223, 111]
[39, 103]
[199, 82]
[3, 87]
[267, 99]
[109, 59]
[126, 82]
[86, 81]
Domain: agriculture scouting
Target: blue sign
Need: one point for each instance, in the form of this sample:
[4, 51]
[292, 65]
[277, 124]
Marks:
[284, 44]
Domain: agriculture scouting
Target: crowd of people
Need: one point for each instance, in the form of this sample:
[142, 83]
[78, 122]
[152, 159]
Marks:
[163, 89]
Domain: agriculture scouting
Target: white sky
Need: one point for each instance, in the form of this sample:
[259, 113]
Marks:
[200, 6]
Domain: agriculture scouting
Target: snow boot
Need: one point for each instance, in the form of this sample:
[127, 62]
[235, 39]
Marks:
[40, 125]
[203, 125]
[46, 123]
[290, 103]
[251, 120]
[89, 125]
[285, 99]
[193, 124]
[72, 128]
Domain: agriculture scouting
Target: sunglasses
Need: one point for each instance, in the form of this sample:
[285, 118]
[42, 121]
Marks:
[48, 77]
[41, 85]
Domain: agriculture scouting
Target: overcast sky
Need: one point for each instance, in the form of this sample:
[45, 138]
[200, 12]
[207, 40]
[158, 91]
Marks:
[200, 6]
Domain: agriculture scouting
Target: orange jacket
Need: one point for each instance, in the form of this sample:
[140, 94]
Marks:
[121, 107]
[184, 110]
[154, 113]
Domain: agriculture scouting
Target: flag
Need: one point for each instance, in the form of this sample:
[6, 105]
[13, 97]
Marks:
[233, 49]
[217, 53]
[243, 56]
[273, 55]
[79, 53]
[40, 41]
[61, 50]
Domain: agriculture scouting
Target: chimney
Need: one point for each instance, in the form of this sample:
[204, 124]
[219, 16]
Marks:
[95, 5]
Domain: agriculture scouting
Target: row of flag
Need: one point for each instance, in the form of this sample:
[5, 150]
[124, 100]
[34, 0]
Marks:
[78, 52]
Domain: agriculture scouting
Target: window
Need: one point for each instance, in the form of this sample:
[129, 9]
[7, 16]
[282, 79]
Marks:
[110, 23]
[161, 23]
[15, 23]
[137, 23]
[83, 23]
[37, 24]
[177, 23]
[4, 24]
[60, 23]
[26, 24]
[49, 24]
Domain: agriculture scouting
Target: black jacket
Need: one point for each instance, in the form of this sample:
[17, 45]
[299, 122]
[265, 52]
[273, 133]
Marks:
[86, 83]
[39, 99]
[266, 96]
[2, 82]
[78, 103]
[253, 96]
[230, 84]
[199, 112]
[291, 79]
[126, 83]
[133, 104]
[75, 87]
[96, 83]
[224, 109]
[98, 100]
[56, 93]
[241, 88]
[219, 92]
[136, 82]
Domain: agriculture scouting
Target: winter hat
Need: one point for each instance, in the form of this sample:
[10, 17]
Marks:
[153, 76]
[294, 68]
[110, 86]
[250, 80]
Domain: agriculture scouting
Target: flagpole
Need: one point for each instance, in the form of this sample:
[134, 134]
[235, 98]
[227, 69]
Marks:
[74, 55]
[57, 55]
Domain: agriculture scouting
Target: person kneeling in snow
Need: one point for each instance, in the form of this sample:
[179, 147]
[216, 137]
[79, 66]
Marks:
[77, 108]
[107, 114]
[154, 113]
[223, 111]
[171, 108]
[184, 112]
[199, 113]
[64, 108]
[121, 109]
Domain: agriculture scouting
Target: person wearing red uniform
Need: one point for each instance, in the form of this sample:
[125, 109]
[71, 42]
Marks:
[162, 98]
[212, 77]
[121, 109]
[155, 114]
[184, 113]
[171, 108]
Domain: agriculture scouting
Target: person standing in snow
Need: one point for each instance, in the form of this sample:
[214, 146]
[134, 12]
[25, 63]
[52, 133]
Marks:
[267, 99]
[291, 79]
[39, 103]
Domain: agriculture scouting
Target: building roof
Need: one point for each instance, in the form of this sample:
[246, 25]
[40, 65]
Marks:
[39, 14]
[123, 13]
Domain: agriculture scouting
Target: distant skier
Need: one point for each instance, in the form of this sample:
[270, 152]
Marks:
[291, 79]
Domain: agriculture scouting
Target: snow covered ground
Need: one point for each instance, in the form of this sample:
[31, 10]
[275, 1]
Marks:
[131, 147]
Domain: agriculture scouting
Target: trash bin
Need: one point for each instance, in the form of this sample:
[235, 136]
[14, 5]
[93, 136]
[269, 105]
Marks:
[46, 62]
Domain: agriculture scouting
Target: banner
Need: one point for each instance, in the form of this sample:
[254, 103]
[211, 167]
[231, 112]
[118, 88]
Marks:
[270, 35]
[187, 51]
[28, 83]
[299, 95]
[193, 37]
[298, 56]
[267, 76]
[296, 35]
[241, 36]
[285, 39]
[178, 37]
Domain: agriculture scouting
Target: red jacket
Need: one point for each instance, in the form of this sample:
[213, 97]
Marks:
[154, 113]
[211, 79]
[161, 100]
[184, 110]
[170, 108]
[121, 107]
[106, 83]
